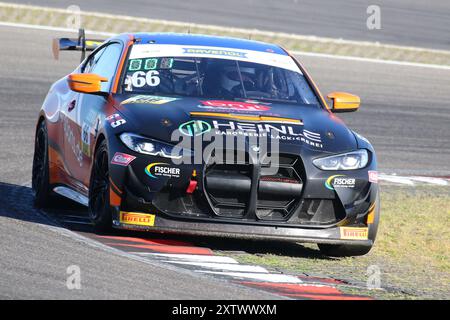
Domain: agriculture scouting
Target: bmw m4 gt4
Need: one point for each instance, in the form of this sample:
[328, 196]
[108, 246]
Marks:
[205, 135]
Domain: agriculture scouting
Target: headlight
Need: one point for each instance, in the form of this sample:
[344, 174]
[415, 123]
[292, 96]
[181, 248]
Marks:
[148, 146]
[346, 161]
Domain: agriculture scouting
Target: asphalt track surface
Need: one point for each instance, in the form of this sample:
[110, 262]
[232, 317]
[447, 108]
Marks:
[405, 113]
[403, 22]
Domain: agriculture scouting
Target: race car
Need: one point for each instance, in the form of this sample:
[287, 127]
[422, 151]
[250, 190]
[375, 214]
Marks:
[205, 135]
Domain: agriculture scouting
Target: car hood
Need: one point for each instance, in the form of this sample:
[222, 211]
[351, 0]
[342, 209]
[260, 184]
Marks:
[306, 126]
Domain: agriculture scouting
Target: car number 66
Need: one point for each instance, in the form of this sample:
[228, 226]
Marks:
[140, 79]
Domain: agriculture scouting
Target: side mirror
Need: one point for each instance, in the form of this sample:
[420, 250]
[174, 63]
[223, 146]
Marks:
[343, 102]
[86, 82]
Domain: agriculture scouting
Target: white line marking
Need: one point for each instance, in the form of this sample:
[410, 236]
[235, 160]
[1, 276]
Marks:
[49, 28]
[311, 54]
[371, 60]
[395, 179]
[190, 257]
[223, 266]
[431, 180]
[266, 277]
[413, 180]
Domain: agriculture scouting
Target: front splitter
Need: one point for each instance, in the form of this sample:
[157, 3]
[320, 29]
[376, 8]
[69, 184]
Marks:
[241, 231]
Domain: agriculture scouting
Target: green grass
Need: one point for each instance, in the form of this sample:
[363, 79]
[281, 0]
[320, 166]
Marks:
[415, 227]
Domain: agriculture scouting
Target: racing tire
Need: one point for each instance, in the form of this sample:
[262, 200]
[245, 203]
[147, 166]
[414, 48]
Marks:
[99, 208]
[334, 250]
[40, 182]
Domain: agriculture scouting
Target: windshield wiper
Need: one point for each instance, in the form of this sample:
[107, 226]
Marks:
[242, 80]
[199, 83]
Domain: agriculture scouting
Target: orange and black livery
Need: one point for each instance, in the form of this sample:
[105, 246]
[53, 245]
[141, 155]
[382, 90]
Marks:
[205, 135]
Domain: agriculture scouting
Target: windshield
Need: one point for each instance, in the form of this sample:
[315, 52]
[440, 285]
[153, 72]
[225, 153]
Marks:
[216, 78]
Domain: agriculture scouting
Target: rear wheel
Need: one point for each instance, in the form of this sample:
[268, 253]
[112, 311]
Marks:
[354, 250]
[40, 173]
[99, 208]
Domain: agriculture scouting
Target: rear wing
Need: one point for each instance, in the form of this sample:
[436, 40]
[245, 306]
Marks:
[75, 44]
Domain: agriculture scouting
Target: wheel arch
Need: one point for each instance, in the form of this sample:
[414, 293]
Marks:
[99, 140]
[38, 122]
[101, 137]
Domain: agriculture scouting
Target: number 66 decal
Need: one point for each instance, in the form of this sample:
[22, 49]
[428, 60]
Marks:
[140, 79]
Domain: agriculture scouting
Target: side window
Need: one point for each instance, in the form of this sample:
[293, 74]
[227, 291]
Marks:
[104, 63]
[92, 60]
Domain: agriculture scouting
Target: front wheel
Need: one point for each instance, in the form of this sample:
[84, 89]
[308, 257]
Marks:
[340, 250]
[99, 208]
[40, 172]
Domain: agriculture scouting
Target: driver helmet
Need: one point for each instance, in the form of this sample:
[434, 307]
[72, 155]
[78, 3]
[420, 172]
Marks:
[230, 76]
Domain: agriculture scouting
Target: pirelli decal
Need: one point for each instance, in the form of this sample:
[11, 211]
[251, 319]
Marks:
[351, 233]
[137, 219]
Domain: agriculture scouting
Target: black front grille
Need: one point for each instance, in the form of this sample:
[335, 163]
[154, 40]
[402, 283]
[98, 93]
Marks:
[228, 187]
[244, 191]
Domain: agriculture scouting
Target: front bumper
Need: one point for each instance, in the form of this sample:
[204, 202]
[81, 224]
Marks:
[315, 214]
[240, 231]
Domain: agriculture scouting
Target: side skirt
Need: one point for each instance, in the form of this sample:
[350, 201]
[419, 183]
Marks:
[72, 195]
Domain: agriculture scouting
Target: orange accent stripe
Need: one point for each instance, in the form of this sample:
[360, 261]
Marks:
[121, 64]
[246, 117]
[53, 154]
[56, 164]
[114, 185]
[371, 215]
[114, 198]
